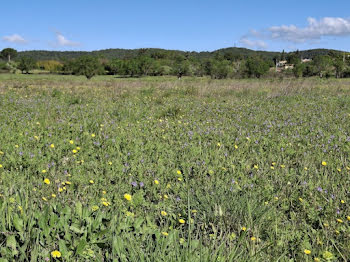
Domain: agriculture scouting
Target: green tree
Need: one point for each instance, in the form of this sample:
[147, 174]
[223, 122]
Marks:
[322, 65]
[220, 69]
[339, 66]
[88, 66]
[26, 64]
[8, 53]
[256, 67]
[298, 69]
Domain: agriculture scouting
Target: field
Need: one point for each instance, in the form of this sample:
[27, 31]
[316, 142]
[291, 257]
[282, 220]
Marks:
[160, 169]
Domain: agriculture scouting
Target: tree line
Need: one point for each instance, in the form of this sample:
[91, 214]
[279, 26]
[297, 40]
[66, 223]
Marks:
[156, 62]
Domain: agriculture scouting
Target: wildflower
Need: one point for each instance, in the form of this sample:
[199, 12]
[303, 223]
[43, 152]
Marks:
[105, 203]
[163, 213]
[78, 148]
[253, 238]
[156, 182]
[93, 135]
[236, 147]
[327, 255]
[339, 220]
[307, 251]
[316, 259]
[71, 142]
[272, 167]
[219, 144]
[339, 170]
[348, 218]
[94, 208]
[110, 163]
[181, 221]
[52, 146]
[104, 192]
[283, 166]
[36, 137]
[0, 166]
[243, 228]
[181, 240]
[53, 195]
[300, 199]
[127, 197]
[16, 146]
[342, 201]
[44, 198]
[91, 181]
[68, 183]
[256, 166]
[178, 172]
[165, 234]
[165, 196]
[47, 181]
[305, 168]
[43, 171]
[324, 163]
[60, 189]
[74, 151]
[56, 254]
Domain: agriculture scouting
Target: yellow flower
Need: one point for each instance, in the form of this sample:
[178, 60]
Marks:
[163, 213]
[36, 137]
[256, 166]
[348, 218]
[91, 181]
[94, 208]
[60, 189]
[105, 203]
[182, 221]
[52, 146]
[300, 199]
[56, 254]
[272, 167]
[307, 252]
[127, 197]
[342, 201]
[253, 238]
[93, 135]
[43, 171]
[316, 259]
[324, 163]
[53, 195]
[327, 255]
[165, 196]
[44, 198]
[305, 168]
[156, 182]
[71, 142]
[182, 240]
[110, 163]
[0, 166]
[74, 151]
[236, 147]
[243, 228]
[165, 233]
[283, 166]
[104, 192]
[16, 146]
[68, 183]
[339, 220]
[219, 144]
[47, 181]
[339, 170]
[78, 148]
[178, 172]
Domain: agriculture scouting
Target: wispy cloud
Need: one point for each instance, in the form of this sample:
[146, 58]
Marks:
[62, 41]
[259, 44]
[15, 38]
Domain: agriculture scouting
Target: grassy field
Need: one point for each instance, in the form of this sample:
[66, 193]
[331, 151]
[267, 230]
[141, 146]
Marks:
[160, 169]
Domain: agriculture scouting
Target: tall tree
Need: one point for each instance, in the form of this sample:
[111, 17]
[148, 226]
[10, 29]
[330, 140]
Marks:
[87, 66]
[8, 53]
[26, 64]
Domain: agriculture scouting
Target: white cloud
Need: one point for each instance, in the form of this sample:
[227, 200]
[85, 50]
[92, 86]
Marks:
[312, 33]
[61, 40]
[316, 29]
[253, 43]
[15, 38]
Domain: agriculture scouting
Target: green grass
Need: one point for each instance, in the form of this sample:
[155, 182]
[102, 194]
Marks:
[240, 161]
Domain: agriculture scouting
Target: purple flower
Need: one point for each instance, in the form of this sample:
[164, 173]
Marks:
[142, 184]
[319, 189]
[134, 184]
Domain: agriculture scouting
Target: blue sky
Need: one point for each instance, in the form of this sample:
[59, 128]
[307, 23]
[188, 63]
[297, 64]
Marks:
[191, 25]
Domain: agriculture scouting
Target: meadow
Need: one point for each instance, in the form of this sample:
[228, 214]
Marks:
[161, 169]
